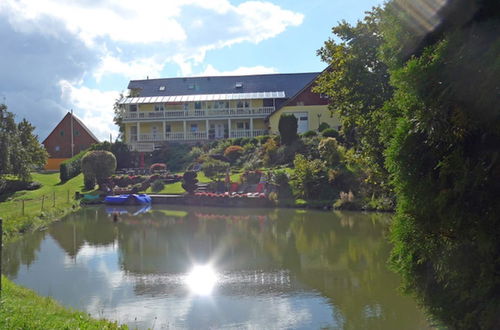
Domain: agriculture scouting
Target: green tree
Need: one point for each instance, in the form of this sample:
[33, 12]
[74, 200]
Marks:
[97, 166]
[19, 147]
[119, 112]
[443, 158]
[357, 83]
[288, 128]
[310, 178]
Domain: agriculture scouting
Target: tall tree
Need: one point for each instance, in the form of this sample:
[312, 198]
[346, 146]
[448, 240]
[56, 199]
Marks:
[357, 83]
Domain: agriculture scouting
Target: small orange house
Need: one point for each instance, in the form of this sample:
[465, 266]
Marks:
[67, 139]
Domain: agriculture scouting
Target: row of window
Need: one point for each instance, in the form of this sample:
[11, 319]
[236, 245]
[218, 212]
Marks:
[194, 127]
[206, 105]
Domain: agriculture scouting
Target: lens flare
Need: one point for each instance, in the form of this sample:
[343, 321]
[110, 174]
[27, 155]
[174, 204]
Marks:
[201, 280]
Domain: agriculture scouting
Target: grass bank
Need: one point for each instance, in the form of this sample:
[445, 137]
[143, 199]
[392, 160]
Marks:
[29, 210]
[21, 308]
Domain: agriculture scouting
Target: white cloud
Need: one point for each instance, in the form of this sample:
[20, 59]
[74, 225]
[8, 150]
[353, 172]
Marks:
[93, 107]
[243, 70]
[134, 69]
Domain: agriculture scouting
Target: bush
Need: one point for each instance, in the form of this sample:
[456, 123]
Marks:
[330, 151]
[270, 149]
[233, 153]
[157, 167]
[262, 139]
[282, 181]
[288, 128]
[323, 126]
[189, 181]
[214, 169]
[251, 177]
[71, 167]
[157, 186]
[330, 132]
[98, 166]
[309, 134]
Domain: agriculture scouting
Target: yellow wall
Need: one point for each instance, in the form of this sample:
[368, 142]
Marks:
[312, 110]
[259, 124]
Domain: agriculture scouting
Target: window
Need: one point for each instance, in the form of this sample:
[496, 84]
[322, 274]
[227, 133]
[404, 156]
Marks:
[243, 104]
[238, 85]
[186, 106]
[168, 128]
[221, 105]
[323, 96]
[57, 148]
[242, 125]
[132, 107]
[268, 102]
[61, 133]
[76, 133]
[194, 127]
[197, 105]
[161, 88]
[159, 107]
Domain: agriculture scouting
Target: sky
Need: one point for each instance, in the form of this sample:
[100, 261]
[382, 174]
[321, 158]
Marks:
[58, 55]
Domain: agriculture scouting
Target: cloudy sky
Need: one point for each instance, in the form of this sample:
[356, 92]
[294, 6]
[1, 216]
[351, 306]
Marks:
[57, 55]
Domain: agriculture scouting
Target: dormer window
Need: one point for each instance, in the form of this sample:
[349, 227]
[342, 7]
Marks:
[238, 85]
[161, 88]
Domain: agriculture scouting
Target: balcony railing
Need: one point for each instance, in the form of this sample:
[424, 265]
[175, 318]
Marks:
[170, 114]
[199, 135]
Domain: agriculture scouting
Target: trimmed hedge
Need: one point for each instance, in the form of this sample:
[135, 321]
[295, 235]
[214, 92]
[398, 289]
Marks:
[71, 167]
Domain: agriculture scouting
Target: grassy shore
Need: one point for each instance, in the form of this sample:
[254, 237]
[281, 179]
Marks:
[27, 210]
[21, 308]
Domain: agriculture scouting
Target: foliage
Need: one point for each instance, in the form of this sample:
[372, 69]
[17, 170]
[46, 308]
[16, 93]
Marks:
[215, 169]
[119, 149]
[282, 181]
[330, 132]
[19, 147]
[330, 151]
[119, 113]
[323, 126]
[357, 83]
[71, 167]
[287, 127]
[309, 134]
[233, 153]
[157, 185]
[310, 178]
[97, 166]
[177, 156]
[443, 158]
[270, 152]
[158, 167]
[189, 181]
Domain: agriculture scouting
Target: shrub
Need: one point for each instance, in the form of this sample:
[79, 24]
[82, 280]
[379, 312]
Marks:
[309, 134]
[189, 181]
[282, 181]
[330, 132]
[262, 139]
[71, 167]
[330, 151]
[288, 128]
[251, 177]
[214, 169]
[270, 149]
[98, 166]
[157, 167]
[310, 178]
[323, 126]
[157, 185]
[232, 153]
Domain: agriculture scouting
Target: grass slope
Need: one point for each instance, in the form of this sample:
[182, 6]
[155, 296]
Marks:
[58, 199]
[24, 309]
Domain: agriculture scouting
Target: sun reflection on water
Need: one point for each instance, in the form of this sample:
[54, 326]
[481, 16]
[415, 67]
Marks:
[201, 280]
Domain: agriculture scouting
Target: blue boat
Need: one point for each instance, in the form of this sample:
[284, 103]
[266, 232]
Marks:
[130, 199]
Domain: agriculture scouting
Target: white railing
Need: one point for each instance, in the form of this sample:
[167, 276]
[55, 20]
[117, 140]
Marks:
[230, 112]
[247, 133]
[187, 136]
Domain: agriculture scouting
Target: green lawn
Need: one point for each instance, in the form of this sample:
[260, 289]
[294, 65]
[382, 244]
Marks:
[24, 309]
[51, 201]
[176, 188]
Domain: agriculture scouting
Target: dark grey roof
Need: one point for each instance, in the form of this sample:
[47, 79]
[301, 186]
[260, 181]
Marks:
[290, 83]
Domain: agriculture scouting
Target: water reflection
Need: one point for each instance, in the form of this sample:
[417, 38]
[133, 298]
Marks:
[277, 268]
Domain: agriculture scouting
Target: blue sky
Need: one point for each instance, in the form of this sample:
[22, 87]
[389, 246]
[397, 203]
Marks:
[59, 55]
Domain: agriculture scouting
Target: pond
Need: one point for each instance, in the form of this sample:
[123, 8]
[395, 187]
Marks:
[194, 268]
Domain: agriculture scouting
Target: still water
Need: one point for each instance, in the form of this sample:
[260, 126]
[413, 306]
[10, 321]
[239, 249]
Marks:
[200, 268]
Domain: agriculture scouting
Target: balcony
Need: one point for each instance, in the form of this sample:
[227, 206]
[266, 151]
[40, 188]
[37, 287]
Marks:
[202, 113]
